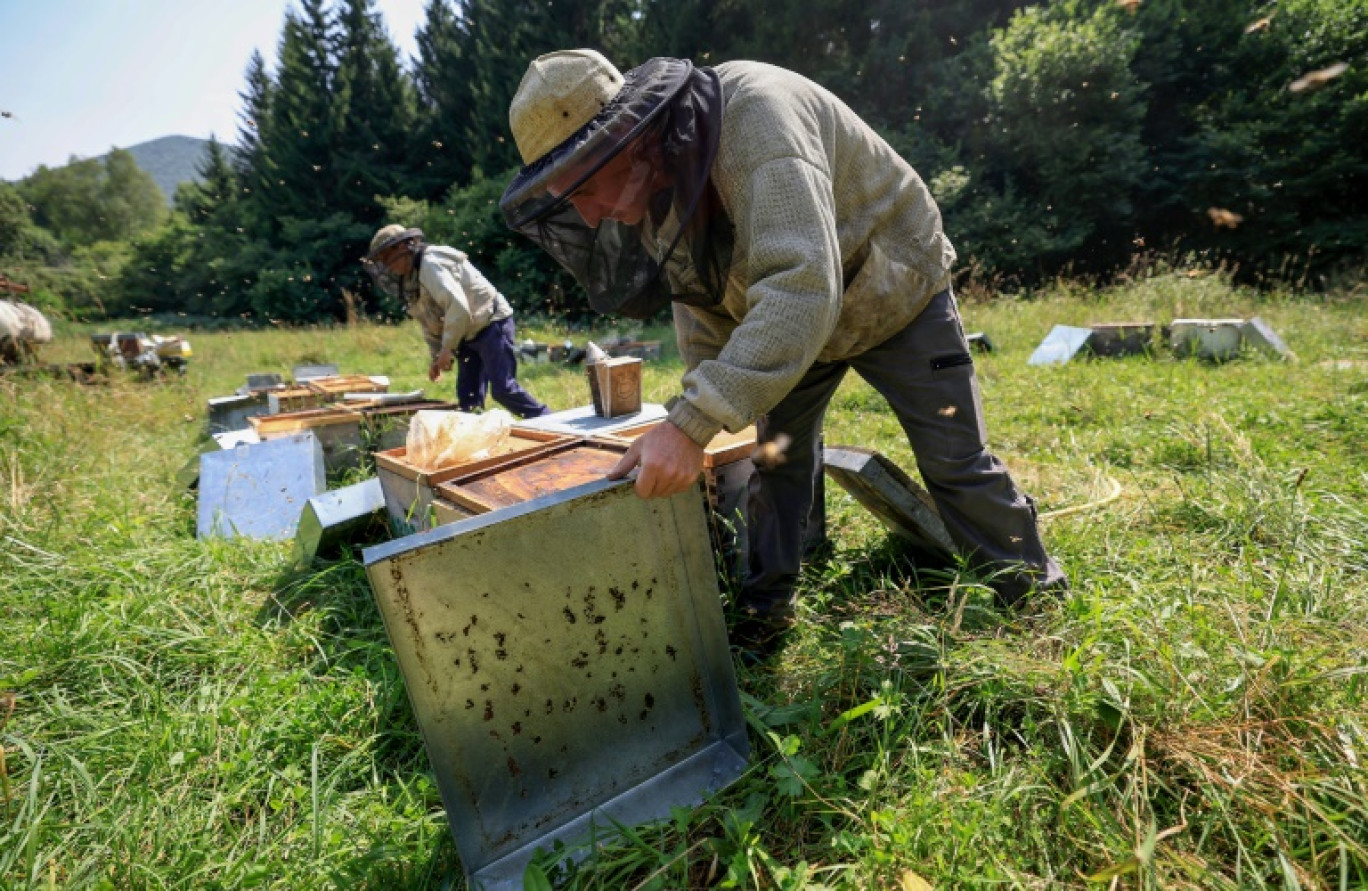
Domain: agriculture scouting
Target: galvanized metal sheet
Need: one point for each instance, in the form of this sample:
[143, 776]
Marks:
[234, 438]
[891, 495]
[264, 381]
[567, 662]
[227, 413]
[1259, 335]
[339, 516]
[582, 421]
[303, 373]
[258, 490]
[1215, 339]
[188, 475]
[1060, 345]
[979, 341]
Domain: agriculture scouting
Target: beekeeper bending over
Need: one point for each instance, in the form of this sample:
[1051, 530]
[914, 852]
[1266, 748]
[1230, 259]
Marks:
[464, 319]
[794, 244]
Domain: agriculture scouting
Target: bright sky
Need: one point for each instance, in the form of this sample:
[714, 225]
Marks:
[78, 77]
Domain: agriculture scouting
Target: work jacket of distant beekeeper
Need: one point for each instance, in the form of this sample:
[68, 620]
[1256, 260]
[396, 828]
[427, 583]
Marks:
[21, 327]
[450, 298]
[836, 243]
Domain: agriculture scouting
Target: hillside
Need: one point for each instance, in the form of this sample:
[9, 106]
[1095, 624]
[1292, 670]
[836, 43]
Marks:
[171, 160]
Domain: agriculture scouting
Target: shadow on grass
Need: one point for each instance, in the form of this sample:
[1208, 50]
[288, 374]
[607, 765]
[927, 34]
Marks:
[889, 623]
[331, 602]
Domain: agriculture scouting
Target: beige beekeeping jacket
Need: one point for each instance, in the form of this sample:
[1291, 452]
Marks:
[21, 322]
[451, 300]
[838, 247]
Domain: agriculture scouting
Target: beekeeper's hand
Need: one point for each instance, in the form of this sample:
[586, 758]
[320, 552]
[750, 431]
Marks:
[441, 362]
[670, 462]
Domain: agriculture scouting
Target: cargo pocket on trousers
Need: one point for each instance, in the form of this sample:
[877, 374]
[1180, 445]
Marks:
[942, 363]
[959, 406]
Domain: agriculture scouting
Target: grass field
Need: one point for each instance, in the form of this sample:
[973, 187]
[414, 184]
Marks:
[177, 713]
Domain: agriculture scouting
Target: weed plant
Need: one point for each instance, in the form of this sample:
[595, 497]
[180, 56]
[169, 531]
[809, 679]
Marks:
[179, 713]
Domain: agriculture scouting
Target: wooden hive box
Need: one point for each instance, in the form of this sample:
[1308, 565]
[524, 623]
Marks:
[727, 471]
[524, 477]
[292, 399]
[1214, 339]
[409, 490]
[723, 449]
[1122, 339]
[335, 386]
[338, 431]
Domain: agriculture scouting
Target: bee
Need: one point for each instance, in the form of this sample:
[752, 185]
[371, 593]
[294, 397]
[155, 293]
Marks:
[1129, 6]
[769, 455]
[1259, 24]
[1224, 219]
[1316, 79]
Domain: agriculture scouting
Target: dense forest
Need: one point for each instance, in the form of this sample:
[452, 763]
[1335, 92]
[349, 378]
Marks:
[1063, 138]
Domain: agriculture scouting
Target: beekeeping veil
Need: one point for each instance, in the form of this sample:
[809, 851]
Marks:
[638, 148]
[383, 277]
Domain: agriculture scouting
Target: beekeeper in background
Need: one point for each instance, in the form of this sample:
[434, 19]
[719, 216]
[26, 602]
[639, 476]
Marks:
[464, 319]
[22, 329]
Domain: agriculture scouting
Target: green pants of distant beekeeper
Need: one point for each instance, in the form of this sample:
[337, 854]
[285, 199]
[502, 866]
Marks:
[927, 375]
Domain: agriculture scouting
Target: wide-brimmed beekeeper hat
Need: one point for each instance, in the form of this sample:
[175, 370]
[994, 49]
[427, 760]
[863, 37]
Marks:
[559, 94]
[388, 236]
[572, 115]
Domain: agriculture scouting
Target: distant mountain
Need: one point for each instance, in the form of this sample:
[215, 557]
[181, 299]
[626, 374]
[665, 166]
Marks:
[171, 160]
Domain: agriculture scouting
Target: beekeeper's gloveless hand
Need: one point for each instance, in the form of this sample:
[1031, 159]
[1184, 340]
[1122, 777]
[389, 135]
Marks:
[670, 462]
[442, 362]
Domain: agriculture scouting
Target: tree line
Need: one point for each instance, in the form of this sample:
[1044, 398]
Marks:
[1062, 137]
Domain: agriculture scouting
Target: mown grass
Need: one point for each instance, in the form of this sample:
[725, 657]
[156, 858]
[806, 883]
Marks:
[176, 713]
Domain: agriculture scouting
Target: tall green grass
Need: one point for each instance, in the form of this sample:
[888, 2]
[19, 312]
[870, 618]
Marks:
[176, 713]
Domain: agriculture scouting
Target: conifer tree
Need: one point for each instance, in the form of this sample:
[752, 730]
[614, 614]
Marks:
[444, 76]
[216, 188]
[252, 162]
[301, 126]
[373, 114]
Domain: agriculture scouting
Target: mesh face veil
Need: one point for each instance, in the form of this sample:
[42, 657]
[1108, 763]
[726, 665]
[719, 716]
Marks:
[385, 280]
[625, 203]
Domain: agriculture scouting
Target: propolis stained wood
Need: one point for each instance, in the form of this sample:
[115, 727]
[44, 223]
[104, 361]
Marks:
[532, 476]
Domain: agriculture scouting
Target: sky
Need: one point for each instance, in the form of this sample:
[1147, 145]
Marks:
[78, 77]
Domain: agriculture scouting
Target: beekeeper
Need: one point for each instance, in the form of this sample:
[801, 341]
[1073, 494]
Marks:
[464, 319]
[794, 244]
[22, 329]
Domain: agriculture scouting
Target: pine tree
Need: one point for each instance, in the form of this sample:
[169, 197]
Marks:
[298, 138]
[217, 186]
[373, 112]
[503, 36]
[445, 77]
[253, 166]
